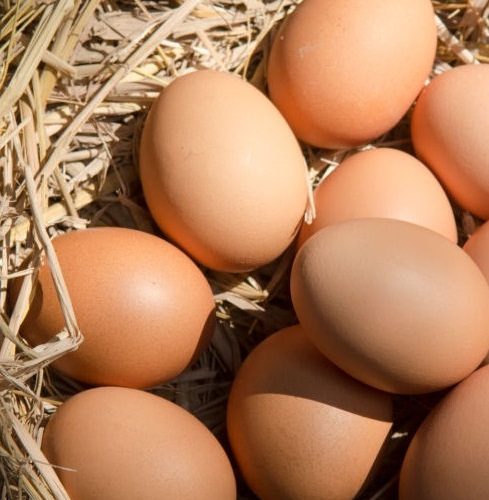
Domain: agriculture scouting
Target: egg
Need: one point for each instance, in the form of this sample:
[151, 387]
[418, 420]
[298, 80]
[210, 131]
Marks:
[477, 246]
[222, 173]
[299, 427]
[394, 304]
[115, 443]
[345, 72]
[448, 457]
[144, 308]
[386, 183]
[449, 131]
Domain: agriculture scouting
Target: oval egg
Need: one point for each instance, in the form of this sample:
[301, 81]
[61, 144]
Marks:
[301, 428]
[477, 246]
[449, 454]
[144, 308]
[449, 132]
[115, 443]
[222, 173]
[344, 72]
[394, 304]
[386, 183]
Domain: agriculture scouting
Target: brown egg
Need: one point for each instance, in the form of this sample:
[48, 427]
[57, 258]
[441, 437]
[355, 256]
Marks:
[449, 132]
[386, 183]
[345, 72]
[477, 246]
[143, 306]
[448, 457]
[113, 443]
[223, 174]
[394, 304]
[299, 427]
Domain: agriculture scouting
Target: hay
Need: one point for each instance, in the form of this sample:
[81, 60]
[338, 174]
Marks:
[76, 79]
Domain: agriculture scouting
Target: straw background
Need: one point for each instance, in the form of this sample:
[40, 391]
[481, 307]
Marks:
[76, 80]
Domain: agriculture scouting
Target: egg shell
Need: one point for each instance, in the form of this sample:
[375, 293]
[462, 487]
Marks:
[115, 443]
[299, 427]
[448, 457]
[394, 304]
[449, 132]
[386, 183]
[222, 173]
[477, 246]
[343, 72]
[144, 308]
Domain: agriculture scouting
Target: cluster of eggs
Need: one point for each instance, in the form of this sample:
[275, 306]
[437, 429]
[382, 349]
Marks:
[386, 300]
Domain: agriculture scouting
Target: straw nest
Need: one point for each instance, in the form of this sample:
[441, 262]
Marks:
[76, 80]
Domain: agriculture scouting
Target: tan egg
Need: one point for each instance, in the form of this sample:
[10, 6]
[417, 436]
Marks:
[113, 443]
[143, 306]
[477, 246]
[386, 183]
[223, 174]
[449, 131]
[394, 304]
[343, 72]
[299, 427]
[448, 457]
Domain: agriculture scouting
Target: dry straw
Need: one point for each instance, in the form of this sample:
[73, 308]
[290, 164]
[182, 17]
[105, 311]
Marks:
[76, 78]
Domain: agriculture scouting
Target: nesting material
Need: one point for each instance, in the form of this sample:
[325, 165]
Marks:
[76, 80]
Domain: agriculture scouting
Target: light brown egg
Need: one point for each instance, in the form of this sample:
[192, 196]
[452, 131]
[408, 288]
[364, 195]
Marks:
[477, 246]
[113, 443]
[386, 183]
[449, 131]
[143, 306]
[299, 427]
[448, 457]
[223, 174]
[394, 304]
[345, 72]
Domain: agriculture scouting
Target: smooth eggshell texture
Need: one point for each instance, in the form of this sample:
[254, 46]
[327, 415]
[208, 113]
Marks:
[477, 246]
[343, 72]
[394, 304]
[144, 308]
[386, 183]
[449, 131]
[448, 457]
[222, 172]
[125, 444]
[299, 427]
